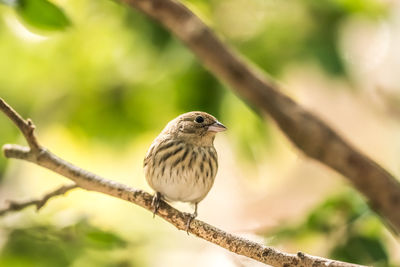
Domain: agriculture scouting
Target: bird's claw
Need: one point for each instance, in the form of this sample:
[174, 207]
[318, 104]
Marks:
[191, 218]
[156, 202]
[189, 221]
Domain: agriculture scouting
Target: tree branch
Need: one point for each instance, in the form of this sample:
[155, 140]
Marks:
[310, 134]
[25, 126]
[39, 203]
[93, 182]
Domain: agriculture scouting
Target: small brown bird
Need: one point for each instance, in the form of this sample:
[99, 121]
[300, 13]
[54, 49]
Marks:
[181, 163]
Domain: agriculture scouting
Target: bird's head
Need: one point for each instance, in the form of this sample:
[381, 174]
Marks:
[195, 127]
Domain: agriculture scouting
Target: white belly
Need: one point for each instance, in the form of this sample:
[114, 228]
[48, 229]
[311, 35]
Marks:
[185, 187]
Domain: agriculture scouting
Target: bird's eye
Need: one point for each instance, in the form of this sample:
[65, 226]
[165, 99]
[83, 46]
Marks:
[199, 119]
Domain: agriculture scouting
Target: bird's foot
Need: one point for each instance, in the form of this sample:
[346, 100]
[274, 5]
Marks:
[156, 202]
[191, 217]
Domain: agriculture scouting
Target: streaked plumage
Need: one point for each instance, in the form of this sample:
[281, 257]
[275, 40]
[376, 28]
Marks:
[181, 163]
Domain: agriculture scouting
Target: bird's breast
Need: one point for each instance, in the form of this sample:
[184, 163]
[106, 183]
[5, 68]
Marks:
[180, 171]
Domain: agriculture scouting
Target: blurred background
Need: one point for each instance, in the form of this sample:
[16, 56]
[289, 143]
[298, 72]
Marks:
[100, 81]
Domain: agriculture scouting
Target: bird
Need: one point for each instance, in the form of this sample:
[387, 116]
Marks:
[181, 163]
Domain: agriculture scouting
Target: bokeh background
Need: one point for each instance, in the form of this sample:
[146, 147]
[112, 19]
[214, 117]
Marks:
[101, 80]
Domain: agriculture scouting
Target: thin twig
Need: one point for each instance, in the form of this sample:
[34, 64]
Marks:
[26, 126]
[91, 181]
[309, 133]
[39, 203]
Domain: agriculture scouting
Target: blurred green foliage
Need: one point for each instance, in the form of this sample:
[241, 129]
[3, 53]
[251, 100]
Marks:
[47, 246]
[296, 31]
[346, 225]
[112, 74]
[115, 74]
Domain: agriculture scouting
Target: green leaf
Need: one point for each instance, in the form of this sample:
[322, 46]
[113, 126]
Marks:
[363, 250]
[38, 246]
[46, 245]
[104, 240]
[371, 8]
[42, 15]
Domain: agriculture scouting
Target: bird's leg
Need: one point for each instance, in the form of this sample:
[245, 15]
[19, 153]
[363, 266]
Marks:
[156, 202]
[191, 217]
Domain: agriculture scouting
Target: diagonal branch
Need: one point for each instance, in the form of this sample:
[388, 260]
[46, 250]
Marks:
[93, 182]
[39, 203]
[310, 134]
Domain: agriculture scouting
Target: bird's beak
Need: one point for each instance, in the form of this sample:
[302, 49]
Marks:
[216, 127]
